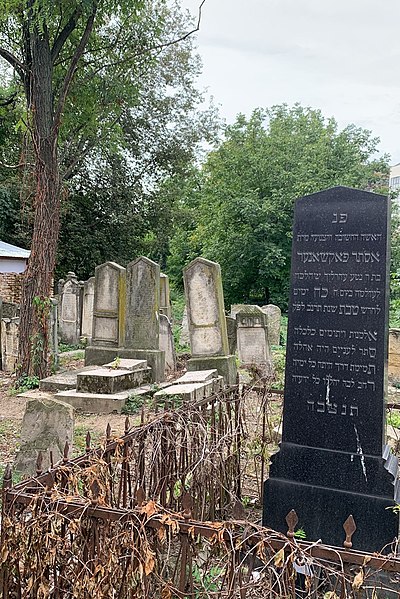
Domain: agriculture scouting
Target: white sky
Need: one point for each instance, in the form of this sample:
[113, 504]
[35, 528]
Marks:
[341, 56]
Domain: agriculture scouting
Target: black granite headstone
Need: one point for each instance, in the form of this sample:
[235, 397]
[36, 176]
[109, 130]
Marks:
[332, 461]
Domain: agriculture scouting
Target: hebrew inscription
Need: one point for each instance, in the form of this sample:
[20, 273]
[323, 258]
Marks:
[337, 312]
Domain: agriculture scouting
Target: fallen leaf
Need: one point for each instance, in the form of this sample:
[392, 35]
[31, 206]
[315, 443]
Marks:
[358, 580]
[279, 558]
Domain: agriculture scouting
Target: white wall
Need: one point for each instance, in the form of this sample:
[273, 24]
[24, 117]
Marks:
[12, 265]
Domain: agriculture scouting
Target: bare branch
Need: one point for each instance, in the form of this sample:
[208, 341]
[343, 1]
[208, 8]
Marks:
[65, 33]
[13, 61]
[72, 67]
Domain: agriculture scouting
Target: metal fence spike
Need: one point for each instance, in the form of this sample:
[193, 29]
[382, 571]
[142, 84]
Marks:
[291, 520]
[39, 464]
[349, 528]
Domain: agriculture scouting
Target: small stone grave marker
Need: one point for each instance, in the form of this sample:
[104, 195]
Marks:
[46, 426]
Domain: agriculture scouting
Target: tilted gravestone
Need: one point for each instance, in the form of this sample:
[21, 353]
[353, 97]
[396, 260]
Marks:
[252, 338]
[69, 321]
[206, 318]
[332, 461]
[165, 300]
[273, 314]
[142, 332]
[9, 338]
[184, 337]
[167, 343]
[46, 426]
[87, 310]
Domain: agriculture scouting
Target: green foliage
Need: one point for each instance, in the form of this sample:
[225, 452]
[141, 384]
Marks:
[208, 579]
[134, 404]
[131, 119]
[25, 383]
[66, 347]
[300, 534]
[278, 360]
[393, 419]
[242, 208]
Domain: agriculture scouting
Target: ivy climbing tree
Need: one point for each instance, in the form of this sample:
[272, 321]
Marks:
[49, 46]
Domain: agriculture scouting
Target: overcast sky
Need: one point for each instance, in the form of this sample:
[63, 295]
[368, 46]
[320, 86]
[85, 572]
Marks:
[342, 56]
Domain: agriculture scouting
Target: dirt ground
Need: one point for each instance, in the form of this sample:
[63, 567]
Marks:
[12, 407]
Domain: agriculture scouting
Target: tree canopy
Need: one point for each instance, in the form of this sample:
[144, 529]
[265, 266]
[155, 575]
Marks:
[242, 209]
[87, 72]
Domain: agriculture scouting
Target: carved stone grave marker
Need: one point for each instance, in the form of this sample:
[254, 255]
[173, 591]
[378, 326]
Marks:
[206, 318]
[332, 461]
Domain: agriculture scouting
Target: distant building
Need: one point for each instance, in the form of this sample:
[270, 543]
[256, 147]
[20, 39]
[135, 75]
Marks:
[13, 262]
[394, 181]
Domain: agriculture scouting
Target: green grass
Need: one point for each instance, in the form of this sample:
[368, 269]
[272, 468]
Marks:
[393, 419]
[80, 433]
[64, 347]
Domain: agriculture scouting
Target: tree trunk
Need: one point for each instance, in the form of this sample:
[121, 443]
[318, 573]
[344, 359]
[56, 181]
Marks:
[38, 278]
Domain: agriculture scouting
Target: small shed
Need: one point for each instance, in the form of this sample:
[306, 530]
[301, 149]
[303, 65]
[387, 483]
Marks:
[13, 262]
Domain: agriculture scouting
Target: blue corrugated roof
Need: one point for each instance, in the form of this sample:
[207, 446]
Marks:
[12, 251]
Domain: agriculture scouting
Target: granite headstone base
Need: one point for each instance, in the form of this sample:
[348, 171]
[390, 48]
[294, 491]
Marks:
[225, 365]
[103, 355]
[364, 486]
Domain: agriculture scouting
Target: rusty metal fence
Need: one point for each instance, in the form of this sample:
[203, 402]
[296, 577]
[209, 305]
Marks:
[137, 518]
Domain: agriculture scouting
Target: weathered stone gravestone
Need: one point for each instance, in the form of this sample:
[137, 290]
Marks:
[109, 305]
[252, 339]
[165, 300]
[142, 333]
[206, 317]
[142, 312]
[87, 310]
[394, 354]
[274, 315]
[9, 336]
[184, 337]
[69, 321]
[231, 328]
[126, 315]
[332, 461]
[167, 343]
[46, 426]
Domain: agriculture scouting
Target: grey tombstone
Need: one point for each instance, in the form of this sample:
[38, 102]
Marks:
[142, 310]
[231, 328]
[333, 460]
[274, 315]
[9, 343]
[70, 310]
[87, 310]
[184, 337]
[46, 426]
[142, 332]
[206, 317]
[167, 344]
[252, 339]
[165, 300]
[126, 315]
[109, 305]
